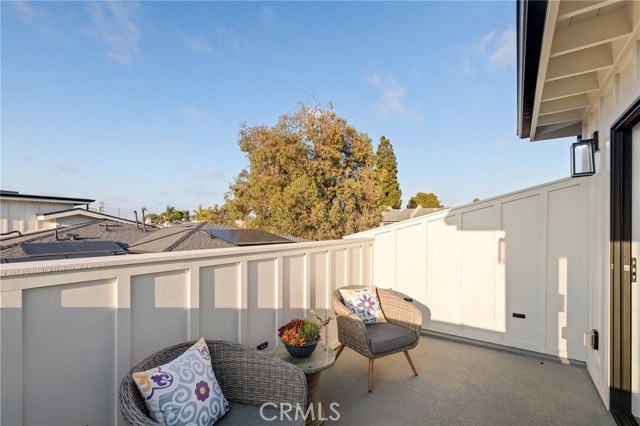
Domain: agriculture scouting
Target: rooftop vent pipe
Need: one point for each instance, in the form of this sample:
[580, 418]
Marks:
[144, 225]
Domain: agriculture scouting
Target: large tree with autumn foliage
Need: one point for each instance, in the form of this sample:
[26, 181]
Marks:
[310, 176]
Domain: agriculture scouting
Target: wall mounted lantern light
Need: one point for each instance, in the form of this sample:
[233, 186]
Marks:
[583, 156]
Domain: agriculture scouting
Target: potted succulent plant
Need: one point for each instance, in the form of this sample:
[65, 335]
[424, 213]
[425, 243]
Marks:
[301, 336]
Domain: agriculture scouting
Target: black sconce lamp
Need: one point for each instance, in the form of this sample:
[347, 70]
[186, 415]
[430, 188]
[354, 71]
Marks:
[583, 156]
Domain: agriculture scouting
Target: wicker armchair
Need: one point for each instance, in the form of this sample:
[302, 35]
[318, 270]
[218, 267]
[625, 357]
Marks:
[246, 376]
[400, 334]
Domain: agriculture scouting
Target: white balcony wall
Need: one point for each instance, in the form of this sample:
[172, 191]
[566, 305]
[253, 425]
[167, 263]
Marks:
[511, 270]
[71, 330]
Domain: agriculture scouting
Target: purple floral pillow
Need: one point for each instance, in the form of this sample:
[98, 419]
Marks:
[185, 390]
[364, 303]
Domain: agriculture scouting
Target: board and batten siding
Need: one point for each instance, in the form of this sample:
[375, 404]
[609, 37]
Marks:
[72, 329]
[607, 105]
[471, 268]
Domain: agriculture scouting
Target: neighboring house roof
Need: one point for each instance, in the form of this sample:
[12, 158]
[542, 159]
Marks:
[396, 215]
[129, 236]
[188, 236]
[390, 216]
[123, 234]
[89, 214]
[15, 195]
[181, 237]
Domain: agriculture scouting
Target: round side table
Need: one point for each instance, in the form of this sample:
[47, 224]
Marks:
[321, 359]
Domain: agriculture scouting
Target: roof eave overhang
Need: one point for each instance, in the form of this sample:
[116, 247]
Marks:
[8, 195]
[81, 212]
[531, 17]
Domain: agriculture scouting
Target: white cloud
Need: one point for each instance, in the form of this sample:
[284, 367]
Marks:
[213, 173]
[198, 43]
[207, 172]
[194, 112]
[115, 24]
[268, 15]
[504, 50]
[38, 19]
[494, 51]
[392, 102]
[374, 79]
[480, 46]
[230, 38]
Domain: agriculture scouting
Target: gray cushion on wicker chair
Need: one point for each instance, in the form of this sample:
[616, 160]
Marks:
[404, 322]
[246, 376]
[386, 337]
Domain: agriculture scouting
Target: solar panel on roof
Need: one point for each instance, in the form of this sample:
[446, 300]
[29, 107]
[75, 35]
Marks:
[61, 248]
[246, 237]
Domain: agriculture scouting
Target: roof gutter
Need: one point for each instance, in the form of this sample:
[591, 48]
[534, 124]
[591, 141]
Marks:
[13, 195]
[531, 15]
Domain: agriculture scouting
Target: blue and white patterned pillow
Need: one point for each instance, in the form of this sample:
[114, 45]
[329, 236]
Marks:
[184, 391]
[364, 303]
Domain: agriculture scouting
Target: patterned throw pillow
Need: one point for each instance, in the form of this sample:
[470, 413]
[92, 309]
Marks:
[364, 303]
[185, 390]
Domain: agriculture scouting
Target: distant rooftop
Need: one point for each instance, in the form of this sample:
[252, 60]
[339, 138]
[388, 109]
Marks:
[123, 234]
[391, 215]
[131, 237]
[15, 195]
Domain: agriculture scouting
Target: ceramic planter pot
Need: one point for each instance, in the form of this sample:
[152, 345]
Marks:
[303, 351]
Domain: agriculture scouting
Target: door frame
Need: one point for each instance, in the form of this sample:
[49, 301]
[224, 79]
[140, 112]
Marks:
[620, 254]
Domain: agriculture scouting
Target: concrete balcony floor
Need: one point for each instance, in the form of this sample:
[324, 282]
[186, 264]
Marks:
[461, 383]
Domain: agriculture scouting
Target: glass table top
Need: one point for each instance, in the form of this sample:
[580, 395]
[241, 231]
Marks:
[323, 357]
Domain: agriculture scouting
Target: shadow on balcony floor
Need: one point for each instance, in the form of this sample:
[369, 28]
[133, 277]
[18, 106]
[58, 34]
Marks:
[461, 384]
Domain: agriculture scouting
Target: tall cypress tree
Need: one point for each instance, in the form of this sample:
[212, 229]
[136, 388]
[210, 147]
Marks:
[386, 172]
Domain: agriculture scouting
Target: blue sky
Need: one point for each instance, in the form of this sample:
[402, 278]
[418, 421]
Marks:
[140, 104]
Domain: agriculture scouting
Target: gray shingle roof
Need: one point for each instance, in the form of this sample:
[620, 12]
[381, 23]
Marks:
[398, 215]
[186, 236]
[99, 230]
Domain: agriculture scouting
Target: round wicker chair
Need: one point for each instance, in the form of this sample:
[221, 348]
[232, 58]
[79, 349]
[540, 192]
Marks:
[355, 334]
[245, 375]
